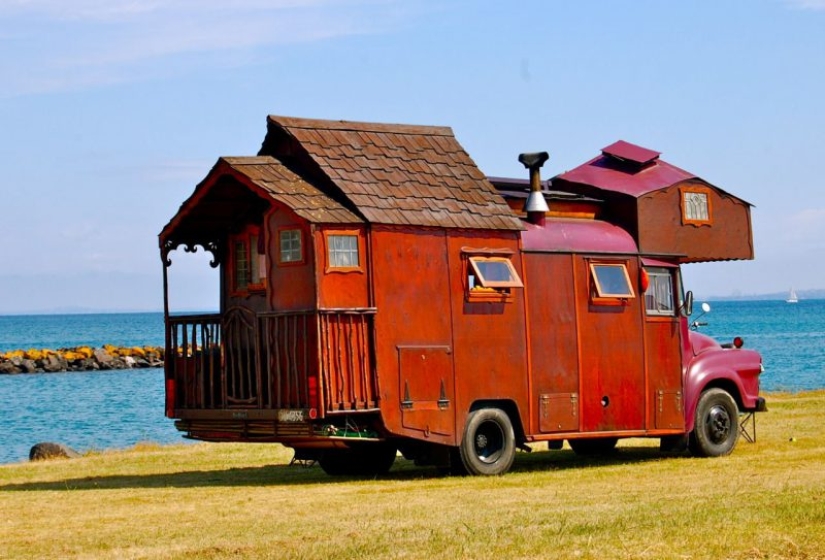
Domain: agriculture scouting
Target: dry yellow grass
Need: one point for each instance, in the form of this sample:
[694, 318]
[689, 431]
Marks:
[205, 501]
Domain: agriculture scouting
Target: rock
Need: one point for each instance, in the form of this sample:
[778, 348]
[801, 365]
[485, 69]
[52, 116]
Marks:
[54, 362]
[49, 450]
[8, 368]
[28, 366]
[102, 356]
[129, 361]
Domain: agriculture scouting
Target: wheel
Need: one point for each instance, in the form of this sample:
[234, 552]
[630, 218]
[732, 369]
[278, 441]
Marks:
[716, 427]
[369, 459]
[489, 443]
[593, 446]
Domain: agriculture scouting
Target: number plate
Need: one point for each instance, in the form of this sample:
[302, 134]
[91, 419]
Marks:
[292, 415]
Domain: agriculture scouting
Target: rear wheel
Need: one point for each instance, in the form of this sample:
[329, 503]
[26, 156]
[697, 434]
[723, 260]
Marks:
[716, 426]
[593, 446]
[489, 443]
[370, 459]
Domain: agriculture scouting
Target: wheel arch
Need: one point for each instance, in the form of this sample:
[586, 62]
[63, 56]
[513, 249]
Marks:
[510, 408]
[721, 380]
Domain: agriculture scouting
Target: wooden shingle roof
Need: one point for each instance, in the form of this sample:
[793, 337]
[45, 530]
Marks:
[392, 174]
[283, 185]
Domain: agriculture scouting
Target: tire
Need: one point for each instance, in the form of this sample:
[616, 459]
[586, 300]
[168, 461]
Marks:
[593, 446]
[370, 459]
[716, 426]
[488, 446]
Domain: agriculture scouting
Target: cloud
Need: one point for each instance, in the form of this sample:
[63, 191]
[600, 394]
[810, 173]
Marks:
[54, 45]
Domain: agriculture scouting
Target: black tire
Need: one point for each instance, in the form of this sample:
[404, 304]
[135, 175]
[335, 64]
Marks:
[593, 446]
[488, 446]
[716, 427]
[369, 459]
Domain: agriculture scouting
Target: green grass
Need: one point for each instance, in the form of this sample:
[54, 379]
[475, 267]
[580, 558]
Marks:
[205, 501]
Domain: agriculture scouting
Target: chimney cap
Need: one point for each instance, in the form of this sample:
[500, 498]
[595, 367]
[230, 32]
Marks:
[533, 160]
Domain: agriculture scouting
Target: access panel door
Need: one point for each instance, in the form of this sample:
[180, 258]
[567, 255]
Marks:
[427, 389]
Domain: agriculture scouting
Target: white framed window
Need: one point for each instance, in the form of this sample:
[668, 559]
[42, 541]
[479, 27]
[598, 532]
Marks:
[494, 272]
[343, 251]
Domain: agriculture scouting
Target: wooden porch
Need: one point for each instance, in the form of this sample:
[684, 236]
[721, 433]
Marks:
[259, 365]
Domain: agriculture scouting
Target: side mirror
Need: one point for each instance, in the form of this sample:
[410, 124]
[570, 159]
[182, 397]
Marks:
[688, 305]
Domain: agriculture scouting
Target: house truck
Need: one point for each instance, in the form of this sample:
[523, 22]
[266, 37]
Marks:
[379, 294]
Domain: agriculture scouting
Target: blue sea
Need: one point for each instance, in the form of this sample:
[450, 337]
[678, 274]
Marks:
[117, 409]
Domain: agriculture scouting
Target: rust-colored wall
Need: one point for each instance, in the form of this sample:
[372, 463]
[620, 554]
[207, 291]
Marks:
[341, 288]
[612, 356]
[290, 286]
[661, 230]
[413, 342]
[551, 310]
[664, 371]
[489, 338]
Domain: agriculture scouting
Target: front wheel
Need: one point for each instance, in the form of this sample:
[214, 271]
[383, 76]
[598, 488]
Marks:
[489, 443]
[716, 426]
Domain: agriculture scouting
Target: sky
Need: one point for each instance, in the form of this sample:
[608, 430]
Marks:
[111, 111]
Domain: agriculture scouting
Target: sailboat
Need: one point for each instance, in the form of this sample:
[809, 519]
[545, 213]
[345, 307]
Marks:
[792, 298]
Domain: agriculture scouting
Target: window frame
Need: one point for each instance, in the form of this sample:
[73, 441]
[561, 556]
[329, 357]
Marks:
[255, 261]
[598, 293]
[359, 244]
[653, 272]
[301, 251]
[683, 195]
[514, 282]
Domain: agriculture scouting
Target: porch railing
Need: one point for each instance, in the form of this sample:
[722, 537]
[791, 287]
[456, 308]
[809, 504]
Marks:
[273, 360]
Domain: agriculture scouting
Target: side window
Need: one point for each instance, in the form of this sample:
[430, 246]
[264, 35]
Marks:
[610, 283]
[290, 243]
[248, 261]
[343, 251]
[696, 208]
[659, 298]
[491, 278]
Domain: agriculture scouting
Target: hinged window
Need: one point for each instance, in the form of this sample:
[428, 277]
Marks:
[494, 272]
[611, 281]
[696, 208]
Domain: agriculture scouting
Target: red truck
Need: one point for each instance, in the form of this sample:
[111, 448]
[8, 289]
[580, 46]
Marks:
[380, 294]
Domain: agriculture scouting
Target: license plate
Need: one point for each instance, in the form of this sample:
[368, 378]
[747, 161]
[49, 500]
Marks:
[291, 415]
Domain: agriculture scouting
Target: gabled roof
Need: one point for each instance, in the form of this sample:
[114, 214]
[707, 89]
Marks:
[390, 173]
[626, 168]
[217, 201]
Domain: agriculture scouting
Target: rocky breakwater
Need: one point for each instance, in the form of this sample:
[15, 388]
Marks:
[82, 358]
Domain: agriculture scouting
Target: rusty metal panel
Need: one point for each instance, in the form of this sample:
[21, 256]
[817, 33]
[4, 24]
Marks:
[669, 413]
[559, 412]
[427, 389]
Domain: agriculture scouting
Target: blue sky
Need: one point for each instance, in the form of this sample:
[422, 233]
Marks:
[112, 111]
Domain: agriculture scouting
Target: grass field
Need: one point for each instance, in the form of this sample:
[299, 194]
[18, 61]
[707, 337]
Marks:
[766, 500]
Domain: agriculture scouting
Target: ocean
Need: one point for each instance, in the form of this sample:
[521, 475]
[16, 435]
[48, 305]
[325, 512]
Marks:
[117, 409]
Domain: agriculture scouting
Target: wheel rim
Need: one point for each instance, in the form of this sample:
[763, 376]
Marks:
[718, 424]
[489, 442]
